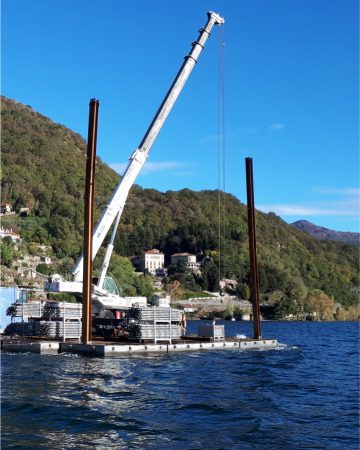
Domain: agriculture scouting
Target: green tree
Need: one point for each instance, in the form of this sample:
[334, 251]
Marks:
[286, 307]
[123, 273]
[45, 269]
[243, 291]
[7, 252]
[210, 273]
[143, 285]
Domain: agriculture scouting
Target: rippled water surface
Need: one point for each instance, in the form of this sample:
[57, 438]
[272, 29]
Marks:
[304, 395]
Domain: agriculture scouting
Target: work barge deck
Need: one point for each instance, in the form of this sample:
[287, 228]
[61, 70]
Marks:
[99, 348]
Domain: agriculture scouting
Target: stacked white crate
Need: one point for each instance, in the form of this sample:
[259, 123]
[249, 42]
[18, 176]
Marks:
[155, 323]
[61, 319]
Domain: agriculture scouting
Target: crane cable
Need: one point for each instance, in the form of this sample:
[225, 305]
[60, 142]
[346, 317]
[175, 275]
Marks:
[221, 151]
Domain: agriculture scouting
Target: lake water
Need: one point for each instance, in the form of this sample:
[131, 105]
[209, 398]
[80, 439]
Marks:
[304, 395]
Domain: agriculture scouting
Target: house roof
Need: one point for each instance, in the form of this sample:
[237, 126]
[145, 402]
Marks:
[182, 254]
[154, 251]
[9, 232]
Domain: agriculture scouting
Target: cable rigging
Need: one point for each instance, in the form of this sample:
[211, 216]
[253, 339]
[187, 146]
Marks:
[221, 152]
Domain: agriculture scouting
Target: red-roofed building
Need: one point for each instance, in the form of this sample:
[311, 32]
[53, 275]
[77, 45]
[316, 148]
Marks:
[151, 260]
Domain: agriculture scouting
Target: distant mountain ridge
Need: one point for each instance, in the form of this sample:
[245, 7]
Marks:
[347, 237]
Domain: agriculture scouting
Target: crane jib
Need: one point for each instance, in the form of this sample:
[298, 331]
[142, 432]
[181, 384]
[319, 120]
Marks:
[139, 156]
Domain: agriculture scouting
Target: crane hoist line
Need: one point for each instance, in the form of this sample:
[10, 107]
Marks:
[113, 211]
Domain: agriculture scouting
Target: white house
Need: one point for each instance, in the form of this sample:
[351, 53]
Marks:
[151, 260]
[9, 233]
[187, 258]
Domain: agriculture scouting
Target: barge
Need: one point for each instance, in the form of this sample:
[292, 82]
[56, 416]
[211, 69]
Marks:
[100, 348]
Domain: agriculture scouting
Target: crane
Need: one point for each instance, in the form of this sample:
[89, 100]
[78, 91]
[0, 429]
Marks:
[112, 212]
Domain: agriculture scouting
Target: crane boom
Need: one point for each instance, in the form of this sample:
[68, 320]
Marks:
[139, 156]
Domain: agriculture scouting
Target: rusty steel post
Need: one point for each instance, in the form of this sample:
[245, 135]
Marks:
[89, 220]
[252, 248]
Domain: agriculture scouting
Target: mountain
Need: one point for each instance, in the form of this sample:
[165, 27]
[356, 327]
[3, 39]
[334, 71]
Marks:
[326, 234]
[43, 168]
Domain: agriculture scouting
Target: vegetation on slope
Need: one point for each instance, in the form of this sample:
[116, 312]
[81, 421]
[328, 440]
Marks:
[44, 169]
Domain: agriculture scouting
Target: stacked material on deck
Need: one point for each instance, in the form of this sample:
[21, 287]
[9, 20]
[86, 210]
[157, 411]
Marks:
[39, 309]
[46, 319]
[55, 310]
[143, 331]
[26, 310]
[158, 313]
[45, 329]
[157, 324]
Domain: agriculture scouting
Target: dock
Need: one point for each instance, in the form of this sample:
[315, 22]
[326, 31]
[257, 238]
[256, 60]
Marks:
[108, 349]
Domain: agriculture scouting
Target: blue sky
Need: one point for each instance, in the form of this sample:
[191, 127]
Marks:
[291, 92]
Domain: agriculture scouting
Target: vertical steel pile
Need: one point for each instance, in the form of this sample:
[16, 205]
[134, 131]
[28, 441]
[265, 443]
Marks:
[89, 219]
[252, 248]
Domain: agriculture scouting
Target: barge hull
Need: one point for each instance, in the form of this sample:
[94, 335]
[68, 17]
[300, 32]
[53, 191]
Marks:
[42, 348]
[114, 349]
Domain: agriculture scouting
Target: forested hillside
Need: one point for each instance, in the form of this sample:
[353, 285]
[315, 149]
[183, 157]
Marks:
[43, 167]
